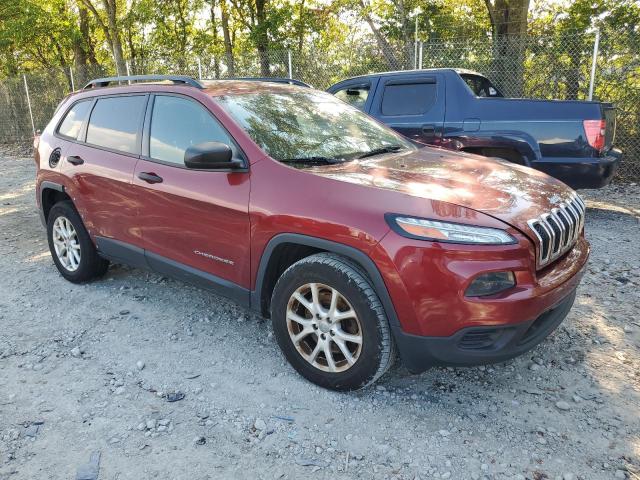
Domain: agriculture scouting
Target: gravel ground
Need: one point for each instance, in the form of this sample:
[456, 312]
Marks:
[92, 368]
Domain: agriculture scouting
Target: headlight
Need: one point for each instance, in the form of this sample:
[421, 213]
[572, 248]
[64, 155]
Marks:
[437, 231]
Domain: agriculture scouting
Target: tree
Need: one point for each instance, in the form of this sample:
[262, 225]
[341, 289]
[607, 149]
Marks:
[228, 45]
[253, 14]
[509, 30]
[111, 30]
[385, 47]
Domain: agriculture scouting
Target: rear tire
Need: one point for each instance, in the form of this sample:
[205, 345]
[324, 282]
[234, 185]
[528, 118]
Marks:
[330, 324]
[73, 252]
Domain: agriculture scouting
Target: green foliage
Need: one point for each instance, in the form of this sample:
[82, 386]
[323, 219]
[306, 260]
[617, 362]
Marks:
[328, 41]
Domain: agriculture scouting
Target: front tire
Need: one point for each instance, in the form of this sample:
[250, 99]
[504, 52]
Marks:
[330, 323]
[71, 247]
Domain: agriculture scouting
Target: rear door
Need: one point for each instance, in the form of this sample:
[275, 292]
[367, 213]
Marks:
[198, 219]
[100, 161]
[413, 105]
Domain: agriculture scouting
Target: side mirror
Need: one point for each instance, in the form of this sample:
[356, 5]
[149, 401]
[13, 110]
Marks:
[210, 156]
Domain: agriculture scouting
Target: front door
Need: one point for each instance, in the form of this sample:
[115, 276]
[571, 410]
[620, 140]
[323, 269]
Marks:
[193, 221]
[412, 105]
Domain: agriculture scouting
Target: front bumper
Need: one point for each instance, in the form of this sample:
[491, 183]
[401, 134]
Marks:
[437, 325]
[480, 345]
[582, 172]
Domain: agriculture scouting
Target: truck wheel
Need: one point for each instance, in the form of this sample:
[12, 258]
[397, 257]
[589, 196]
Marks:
[330, 323]
[71, 247]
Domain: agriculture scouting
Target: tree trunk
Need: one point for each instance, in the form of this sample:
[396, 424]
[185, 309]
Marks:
[215, 38]
[110, 30]
[116, 43]
[509, 29]
[385, 47]
[80, 55]
[573, 72]
[301, 15]
[228, 45]
[85, 31]
[407, 37]
[262, 38]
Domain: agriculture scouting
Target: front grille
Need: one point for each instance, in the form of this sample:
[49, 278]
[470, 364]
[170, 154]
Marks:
[559, 230]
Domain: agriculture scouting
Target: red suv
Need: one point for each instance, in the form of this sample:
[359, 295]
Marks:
[354, 240]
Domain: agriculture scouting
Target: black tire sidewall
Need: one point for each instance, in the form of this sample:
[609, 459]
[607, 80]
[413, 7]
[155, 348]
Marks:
[368, 364]
[90, 264]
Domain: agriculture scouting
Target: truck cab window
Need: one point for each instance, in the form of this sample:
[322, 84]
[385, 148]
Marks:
[481, 86]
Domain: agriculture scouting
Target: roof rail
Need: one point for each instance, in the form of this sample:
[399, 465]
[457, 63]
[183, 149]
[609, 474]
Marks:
[290, 81]
[183, 79]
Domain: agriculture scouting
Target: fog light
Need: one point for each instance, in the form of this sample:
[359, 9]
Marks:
[490, 284]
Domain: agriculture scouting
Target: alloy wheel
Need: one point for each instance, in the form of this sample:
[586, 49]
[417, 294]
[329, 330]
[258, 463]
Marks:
[324, 327]
[66, 244]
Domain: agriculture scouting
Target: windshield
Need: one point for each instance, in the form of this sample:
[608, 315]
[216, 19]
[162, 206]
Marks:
[310, 125]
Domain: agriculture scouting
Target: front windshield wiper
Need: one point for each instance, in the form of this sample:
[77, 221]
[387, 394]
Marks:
[313, 160]
[381, 150]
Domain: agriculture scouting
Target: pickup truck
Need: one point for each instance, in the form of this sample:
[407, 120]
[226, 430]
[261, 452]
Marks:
[462, 110]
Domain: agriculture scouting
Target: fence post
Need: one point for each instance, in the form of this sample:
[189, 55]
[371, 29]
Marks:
[26, 89]
[290, 66]
[594, 61]
[126, 64]
[421, 45]
[73, 85]
[415, 46]
[199, 69]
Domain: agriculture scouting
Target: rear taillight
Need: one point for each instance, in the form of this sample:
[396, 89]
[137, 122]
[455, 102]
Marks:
[36, 147]
[594, 129]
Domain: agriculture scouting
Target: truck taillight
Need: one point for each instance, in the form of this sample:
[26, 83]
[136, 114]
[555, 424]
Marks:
[594, 129]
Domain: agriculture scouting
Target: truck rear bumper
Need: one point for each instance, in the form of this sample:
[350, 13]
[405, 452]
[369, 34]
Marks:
[582, 172]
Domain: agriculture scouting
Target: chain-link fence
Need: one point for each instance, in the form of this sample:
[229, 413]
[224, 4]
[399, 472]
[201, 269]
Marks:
[558, 66]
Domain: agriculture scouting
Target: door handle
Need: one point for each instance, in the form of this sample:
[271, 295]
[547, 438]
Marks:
[429, 129]
[149, 177]
[75, 160]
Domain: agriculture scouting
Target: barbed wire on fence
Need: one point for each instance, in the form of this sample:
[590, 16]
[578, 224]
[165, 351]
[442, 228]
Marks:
[547, 67]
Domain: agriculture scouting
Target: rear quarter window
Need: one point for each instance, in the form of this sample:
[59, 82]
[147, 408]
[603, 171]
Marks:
[73, 120]
[115, 123]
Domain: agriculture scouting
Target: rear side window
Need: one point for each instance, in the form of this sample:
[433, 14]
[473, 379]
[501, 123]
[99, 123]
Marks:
[411, 98]
[355, 95]
[177, 124]
[70, 126]
[480, 86]
[115, 121]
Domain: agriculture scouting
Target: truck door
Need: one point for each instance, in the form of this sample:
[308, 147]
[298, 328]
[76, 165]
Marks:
[413, 105]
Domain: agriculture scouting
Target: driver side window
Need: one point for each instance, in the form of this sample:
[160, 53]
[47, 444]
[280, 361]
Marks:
[177, 124]
[355, 95]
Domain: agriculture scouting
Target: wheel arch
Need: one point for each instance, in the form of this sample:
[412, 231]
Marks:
[510, 154]
[287, 248]
[512, 143]
[50, 194]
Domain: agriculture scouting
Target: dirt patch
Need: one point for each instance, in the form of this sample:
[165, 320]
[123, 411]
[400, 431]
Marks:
[92, 368]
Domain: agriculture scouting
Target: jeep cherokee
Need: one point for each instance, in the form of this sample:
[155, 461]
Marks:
[355, 242]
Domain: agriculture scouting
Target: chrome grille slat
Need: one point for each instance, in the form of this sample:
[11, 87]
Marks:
[558, 230]
[563, 230]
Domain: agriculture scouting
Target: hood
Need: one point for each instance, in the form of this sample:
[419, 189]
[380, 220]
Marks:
[508, 192]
